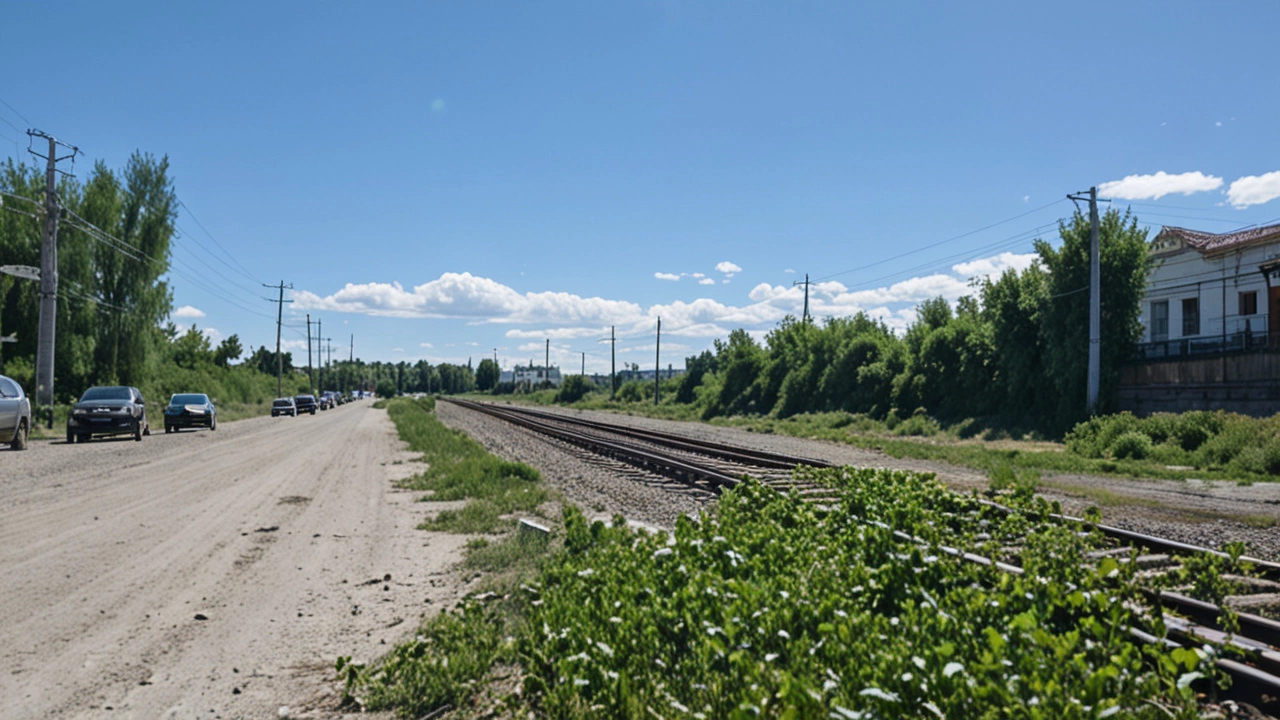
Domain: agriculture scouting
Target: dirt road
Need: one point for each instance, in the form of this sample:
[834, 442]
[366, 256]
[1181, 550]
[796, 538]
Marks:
[209, 574]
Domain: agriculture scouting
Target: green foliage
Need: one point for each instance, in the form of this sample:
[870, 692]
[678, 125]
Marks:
[487, 374]
[1064, 326]
[386, 389]
[574, 388]
[1131, 445]
[775, 607]
[634, 391]
[1241, 444]
[458, 468]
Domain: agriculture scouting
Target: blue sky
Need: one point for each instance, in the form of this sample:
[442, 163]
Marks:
[444, 179]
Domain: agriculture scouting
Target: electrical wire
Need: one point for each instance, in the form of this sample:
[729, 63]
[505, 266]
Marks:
[15, 111]
[943, 242]
[243, 270]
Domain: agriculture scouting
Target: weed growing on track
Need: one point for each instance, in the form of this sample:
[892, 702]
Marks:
[459, 468]
[777, 608]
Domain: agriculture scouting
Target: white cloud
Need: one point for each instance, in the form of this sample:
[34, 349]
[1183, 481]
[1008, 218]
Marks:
[1154, 187]
[213, 334]
[789, 271]
[728, 268]
[1218, 124]
[186, 311]
[429, 346]
[1254, 189]
[697, 275]
[469, 297]
[995, 265]
[438, 106]
[399, 350]
[707, 281]
[666, 276]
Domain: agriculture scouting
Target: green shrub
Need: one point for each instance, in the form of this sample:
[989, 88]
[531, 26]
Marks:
[574, 388]
[1160, 427]
[1132, 445]
[1236, 434]
[1196, 427]
[918, 424]
[635, 391]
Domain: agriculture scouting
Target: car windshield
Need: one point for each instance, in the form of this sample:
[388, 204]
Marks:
[189, 399]
[106, 393]
[284, 401]
[305, 397]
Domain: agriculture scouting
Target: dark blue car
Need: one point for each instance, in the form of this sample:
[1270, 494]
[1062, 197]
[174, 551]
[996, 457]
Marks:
[190, 410]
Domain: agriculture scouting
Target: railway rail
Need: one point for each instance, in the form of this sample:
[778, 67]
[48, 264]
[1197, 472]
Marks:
[1255, 667]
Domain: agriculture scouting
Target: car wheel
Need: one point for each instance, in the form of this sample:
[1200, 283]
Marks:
[137, 433]
[146, 429]
[20, 437]
[313, 411]
[71, 438]
[213, 424]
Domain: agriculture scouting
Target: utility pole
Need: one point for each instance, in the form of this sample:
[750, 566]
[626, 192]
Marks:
[48, 274]
[279, 320]
[351, 359]
[613, 363]
[319, 350]
[657, 365]
[584, 364]
[311, 375]
[1095, 303]
[547, 367]
[806, 295]
[328, 364]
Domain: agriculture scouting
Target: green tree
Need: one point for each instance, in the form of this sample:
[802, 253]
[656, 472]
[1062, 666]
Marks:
[229, 349]
[1064, 322]
[487, 374]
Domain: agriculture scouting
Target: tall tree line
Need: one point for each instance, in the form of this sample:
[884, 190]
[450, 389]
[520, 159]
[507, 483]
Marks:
[112, 298]
[1016, 350]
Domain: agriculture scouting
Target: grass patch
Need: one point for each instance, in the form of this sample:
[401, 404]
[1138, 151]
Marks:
[459, 468]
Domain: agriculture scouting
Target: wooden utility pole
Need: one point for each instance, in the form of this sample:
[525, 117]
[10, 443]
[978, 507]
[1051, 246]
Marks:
[48, 274]
[1094, 379]
[657, 366]
[806, 295]
[279, 320]
[613, 363]
[547, 367]
[311, 376]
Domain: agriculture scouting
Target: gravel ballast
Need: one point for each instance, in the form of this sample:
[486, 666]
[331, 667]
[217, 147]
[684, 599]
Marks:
[1198, 512]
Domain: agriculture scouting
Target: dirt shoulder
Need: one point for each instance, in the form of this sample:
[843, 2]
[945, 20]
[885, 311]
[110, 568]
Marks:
[210, 574]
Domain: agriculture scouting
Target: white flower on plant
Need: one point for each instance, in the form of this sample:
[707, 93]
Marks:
[605, 649]
[917, 661]
[660, 552]
[771, 657]
[581, 681]
[952, 668]
[615, 619]
[880, 694]
[784, 634]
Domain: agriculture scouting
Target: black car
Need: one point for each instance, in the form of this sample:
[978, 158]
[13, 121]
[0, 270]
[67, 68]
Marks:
[190, 410]
[306, 403]
[284, 406]
[113, 410]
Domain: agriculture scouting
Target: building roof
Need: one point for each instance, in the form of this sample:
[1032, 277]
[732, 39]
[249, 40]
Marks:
[1207, 242]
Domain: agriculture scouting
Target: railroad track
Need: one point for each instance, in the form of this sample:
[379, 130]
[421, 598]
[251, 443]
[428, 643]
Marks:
[713, 467]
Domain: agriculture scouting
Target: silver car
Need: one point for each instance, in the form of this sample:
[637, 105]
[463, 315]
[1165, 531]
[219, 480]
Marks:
[15, 414]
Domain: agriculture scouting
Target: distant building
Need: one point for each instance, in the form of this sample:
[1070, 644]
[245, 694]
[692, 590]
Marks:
[1211, 292]
[1211, 324]
[531, 374]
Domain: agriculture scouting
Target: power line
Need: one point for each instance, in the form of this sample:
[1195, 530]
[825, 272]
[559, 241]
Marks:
[15, 111]
[243, 270]
[943, 242]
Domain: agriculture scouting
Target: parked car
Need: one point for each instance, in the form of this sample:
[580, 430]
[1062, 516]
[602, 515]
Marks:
[15, 414]
[190, 410]
[306, 403]
[111, 410]
[284, 406]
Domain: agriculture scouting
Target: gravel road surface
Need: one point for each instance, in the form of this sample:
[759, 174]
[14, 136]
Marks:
[209, 574]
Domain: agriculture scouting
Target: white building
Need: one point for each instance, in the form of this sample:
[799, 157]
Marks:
[1212, 293]
[531, 374]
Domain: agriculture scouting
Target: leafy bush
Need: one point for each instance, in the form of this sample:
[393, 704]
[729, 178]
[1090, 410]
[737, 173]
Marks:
[1132, 445]
[1196, 427]
[634, 391]
[386, 389]
[917, 425]
[574, 388]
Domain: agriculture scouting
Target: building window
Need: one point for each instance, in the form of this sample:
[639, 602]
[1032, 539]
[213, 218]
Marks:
[1160, 321]
[1190, 317]
[1249, 303]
